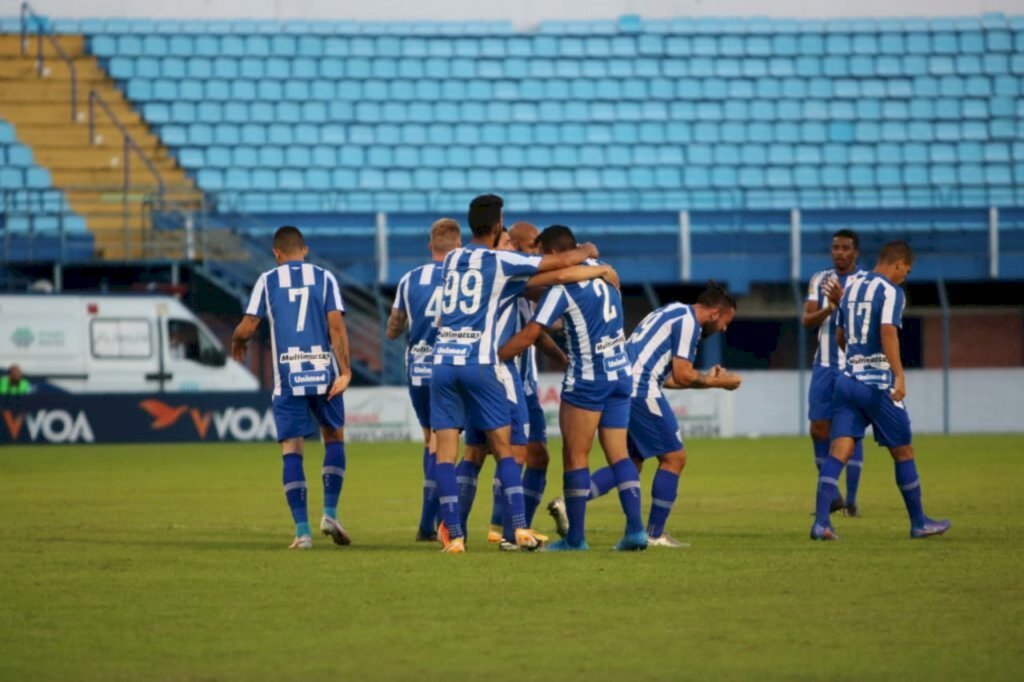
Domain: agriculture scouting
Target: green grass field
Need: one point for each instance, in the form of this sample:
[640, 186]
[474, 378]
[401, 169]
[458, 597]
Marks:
[169, 563]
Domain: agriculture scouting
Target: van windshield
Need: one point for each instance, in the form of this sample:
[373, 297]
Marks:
[187, 341]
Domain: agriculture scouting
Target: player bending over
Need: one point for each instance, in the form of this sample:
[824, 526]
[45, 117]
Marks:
[595, 393]
[468, 382]
[872, 387]
[311, 371]
[417, 304]
[820, 310]
[663, 349]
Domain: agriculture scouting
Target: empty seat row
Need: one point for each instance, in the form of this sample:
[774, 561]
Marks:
[782, 45]
[15, 155]
[45, 223]
[33, 201]
[270, 27]
[12, 177]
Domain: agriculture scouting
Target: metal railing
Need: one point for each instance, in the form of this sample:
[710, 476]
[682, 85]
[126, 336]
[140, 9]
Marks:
[26, 12]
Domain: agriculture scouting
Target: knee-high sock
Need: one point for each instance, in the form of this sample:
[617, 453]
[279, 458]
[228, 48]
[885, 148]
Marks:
[294, 480]
[334, 477]
[497, 500]
[828, 488]
[627, 479]
[466, 478]
[512, 482]
[429, 511]
[663, 496]
[576, 489]
[820, 452]
[448, 498]
[910, 486]
[853, 471]
[602, 482]
[534, 482]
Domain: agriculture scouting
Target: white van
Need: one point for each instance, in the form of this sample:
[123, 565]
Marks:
[99, 343]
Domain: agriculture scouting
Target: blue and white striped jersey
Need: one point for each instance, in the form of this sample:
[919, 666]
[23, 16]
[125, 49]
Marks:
[592, 312]
[477, 280]
[828, 353]
[867, 304]
[670, 331]
[528, 360]
[419, 297]
[295, 298]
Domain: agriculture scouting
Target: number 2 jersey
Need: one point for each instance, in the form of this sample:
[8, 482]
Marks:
[867, 304]
[295, 298]
[478, 283]
[419, 297]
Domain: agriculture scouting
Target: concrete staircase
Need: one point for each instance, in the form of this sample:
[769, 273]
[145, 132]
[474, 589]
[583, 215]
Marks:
[92, 175]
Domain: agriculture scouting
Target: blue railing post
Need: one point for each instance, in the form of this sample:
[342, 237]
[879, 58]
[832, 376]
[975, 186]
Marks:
[993, 242]
[944, 304]
[382, 247]
[685, 252]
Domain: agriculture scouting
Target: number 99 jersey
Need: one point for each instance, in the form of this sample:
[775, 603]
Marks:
[295, 298]
[475, 283]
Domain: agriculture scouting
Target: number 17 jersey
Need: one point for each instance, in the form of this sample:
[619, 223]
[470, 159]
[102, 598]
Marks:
[867, 304]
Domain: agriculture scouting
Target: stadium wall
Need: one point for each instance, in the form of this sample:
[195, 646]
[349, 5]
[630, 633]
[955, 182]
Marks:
[523, 13]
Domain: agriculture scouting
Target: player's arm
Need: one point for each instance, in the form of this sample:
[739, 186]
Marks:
[339, 344]
[520, 342]
[684, 375]
[243, 333]
[396, 323]
[814, 312]
[567, 259]
[574, 274]
[891, 348]
[548, 347]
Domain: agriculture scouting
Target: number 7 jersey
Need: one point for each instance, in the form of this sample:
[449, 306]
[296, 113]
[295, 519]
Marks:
[476, 281]
[867, 304]
[295, 298]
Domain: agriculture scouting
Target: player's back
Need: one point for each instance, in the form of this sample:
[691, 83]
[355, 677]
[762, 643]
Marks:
[867, 305]
[665, 332]
[419, 293]
[295, 298]
[593, 315]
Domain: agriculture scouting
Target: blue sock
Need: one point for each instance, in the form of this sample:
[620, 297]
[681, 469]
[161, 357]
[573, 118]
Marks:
[821, 448]
[334, 477]
[429, 512]
[448, 498]
[853, 471]
[910, 486]
[663, 496]
[534, 482]
[465, 478]
[294, 480]
[576, 489]
[498, 501]
[512, 482]
[601, 482]
[628, 481]
[828, 488]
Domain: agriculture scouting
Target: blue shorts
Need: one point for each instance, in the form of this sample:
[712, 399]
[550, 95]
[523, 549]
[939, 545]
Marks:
[819, 395]
[294, 414]
[653, 429]
[461, 394]
[610, 398]
[517, 413]
[420, 396]
[856, 405]
[538, 432]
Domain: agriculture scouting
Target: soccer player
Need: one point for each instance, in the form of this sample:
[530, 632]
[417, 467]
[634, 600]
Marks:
[823, 295]
[468, 382]
[662, 350]
[872, 387]
[595, 393]
[417, 304]
[311, 371]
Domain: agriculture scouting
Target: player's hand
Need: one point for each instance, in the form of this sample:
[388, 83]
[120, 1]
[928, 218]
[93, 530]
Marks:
[339, 385]
[834, 292]
[730, 382]
[238, 349]
[899, 389]
[716, 372]
[591, 250]
[611, 277]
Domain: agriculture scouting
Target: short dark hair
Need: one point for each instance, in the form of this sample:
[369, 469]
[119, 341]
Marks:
[847, 233]
[715, 296]
[896, 252]
[556, 238]
[288, 239]
[484, 214]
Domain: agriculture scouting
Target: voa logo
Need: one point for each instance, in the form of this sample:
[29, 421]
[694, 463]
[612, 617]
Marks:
[231, 423]
[51, 426]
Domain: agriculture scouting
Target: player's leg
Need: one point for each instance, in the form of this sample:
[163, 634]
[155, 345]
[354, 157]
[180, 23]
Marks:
[819, 412]
[891, 425]
[853, 471]
[654, 432]
[519, 441]
[612, 433]
[331, 416]
[447, 417]
[468, 471]
[664, 491]
[294, 423]
[420, 396]
[848, 424]
[535, 476]
[579, 427]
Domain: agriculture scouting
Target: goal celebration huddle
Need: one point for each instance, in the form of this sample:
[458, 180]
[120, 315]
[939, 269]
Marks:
[477, 314]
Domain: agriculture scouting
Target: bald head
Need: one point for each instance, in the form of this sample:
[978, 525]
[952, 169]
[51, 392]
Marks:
[524, 237]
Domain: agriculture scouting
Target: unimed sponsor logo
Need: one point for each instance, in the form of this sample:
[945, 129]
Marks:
[234, 423]
[49, 426]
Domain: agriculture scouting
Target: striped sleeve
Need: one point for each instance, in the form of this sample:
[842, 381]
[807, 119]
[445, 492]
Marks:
[257, 300]
[333, 294]
[516, 264]
[686, 337]
[551, 307]
[402, 295]
[892, 306]
[814, 289]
